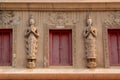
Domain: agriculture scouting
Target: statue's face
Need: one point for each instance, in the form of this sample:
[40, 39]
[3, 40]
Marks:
[89, 22]
[32, 21]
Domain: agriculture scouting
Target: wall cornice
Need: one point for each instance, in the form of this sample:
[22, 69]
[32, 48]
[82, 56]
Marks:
[56, 1]
[84, 6]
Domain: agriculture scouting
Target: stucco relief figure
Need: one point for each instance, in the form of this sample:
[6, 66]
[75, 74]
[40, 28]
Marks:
[90, 34]
[31, 35]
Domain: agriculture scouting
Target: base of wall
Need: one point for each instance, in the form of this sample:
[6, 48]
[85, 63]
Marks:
[71, 74]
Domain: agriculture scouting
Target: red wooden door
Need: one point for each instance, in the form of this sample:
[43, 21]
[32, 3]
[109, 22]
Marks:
[5, 47]
[60, 47]
[114, 47]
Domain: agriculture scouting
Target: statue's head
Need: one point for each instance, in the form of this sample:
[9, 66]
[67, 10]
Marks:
[89, 21]
[31, 20]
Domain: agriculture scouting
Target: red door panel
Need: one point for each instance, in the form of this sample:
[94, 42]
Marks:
[64, 48]
[60, 47]
[1, 48]
[119, 48]
[5, 47]
[55, 48]
[113, 49]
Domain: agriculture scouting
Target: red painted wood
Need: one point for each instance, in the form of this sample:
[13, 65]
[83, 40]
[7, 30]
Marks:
[65, 49]
[0, 47]
[114, 51]
[114, 47]
[55, 48]
[60, 47]
[5, 47]
[119, 47]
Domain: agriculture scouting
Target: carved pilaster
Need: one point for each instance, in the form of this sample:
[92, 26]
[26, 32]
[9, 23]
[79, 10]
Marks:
[31, 38]
[90, 35]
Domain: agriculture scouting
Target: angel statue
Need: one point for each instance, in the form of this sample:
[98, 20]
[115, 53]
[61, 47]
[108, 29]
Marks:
[31, 35]
[90, 35]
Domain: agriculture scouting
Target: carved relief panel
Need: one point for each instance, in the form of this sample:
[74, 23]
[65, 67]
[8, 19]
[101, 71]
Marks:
[60, 18]
[90, 35]
[31, 38]
[8, 18]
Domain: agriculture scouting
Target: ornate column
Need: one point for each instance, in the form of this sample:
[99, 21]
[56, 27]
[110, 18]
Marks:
[90, 35]
[31, 39]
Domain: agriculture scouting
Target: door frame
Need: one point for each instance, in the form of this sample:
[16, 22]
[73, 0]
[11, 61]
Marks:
[106, 53]
[47, 28]
[14, 45]
[69, 35]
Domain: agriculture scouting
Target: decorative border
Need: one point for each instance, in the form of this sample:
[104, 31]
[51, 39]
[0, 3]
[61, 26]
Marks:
[46, 42]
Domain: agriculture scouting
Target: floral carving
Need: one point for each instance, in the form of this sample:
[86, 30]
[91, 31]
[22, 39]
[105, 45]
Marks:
[90, 35]
[31, 35]
[113, 18]
[60, 19]
[8, 18]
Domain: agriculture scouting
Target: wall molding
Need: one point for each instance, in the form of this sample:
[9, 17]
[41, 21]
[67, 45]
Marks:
[84, 6]
[64, 74]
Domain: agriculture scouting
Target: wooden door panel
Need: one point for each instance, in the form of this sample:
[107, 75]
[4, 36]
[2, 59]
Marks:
[60, 47]
[55, 49]
[114, 49]
[119, 48]
[70, 48]
[64, 52]
[5, 47]
[1, 48]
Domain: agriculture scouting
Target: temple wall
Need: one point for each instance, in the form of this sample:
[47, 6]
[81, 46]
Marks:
[61, 15]
[43, 18]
